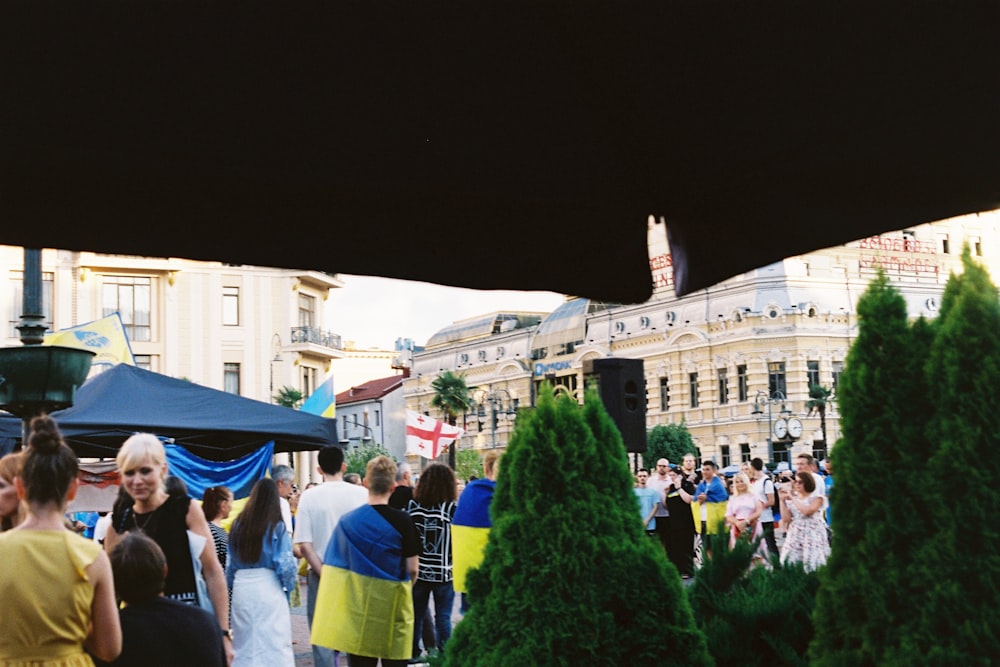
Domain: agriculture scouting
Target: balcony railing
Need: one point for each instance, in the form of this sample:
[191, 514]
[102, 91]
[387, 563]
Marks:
[316, 337]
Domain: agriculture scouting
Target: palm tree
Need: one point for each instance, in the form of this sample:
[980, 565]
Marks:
[290, 397]
[451, 396]
[819, 397]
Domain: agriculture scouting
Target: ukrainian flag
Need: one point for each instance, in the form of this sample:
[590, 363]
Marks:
[323, 401]
[470, 529]
[364, 605]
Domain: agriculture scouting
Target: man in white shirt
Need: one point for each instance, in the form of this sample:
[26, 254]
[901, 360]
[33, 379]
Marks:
[763, 489]
[807, 463]
[320, 508]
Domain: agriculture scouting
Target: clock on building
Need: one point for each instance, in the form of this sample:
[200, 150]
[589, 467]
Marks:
[780, 429]
[794, 428]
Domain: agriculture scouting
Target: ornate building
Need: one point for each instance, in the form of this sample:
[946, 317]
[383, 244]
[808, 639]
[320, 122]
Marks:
[733, 362]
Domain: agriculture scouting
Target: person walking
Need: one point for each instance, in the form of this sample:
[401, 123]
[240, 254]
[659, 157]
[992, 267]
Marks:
[261, 572]
[217, 504]
[58, 588]
[805, 529]
[432, 510]
[284, 477]
[158, 631]
[470, 529]
[365, 602]
[763, 488]
[320, 508]
[142, 462]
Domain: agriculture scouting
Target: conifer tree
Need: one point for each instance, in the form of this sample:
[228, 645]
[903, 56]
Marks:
[959, 557]
[569, 577]
[868, 587]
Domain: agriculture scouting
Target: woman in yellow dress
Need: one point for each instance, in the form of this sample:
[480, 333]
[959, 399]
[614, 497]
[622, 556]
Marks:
[57, 587]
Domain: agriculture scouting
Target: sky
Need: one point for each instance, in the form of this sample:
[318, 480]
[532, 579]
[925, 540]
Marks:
[373, 312]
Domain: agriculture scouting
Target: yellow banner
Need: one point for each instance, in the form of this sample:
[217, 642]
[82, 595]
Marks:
[105, 337]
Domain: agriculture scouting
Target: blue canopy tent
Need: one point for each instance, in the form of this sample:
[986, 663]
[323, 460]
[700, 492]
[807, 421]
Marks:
[208, 423]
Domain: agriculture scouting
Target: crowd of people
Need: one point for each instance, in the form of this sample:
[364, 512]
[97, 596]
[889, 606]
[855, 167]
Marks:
[160, 581]
[688, 510]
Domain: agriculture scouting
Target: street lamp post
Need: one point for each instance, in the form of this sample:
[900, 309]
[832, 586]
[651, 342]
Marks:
[500, 402]
[276, 348]
[771, 398]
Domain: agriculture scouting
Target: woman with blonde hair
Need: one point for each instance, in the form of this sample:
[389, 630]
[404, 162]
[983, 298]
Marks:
[11, 508]
[58, 588]
[742, 510]
[142, 462]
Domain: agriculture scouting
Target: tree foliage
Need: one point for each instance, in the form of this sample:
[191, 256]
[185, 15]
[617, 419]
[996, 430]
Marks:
[290, 397]
[468, 463]
[451, 397]
[668, 441]
[357, 458]
[569, 576]
[753, 616]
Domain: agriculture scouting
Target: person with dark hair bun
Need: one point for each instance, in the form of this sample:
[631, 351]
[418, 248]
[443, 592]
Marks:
[58, 589]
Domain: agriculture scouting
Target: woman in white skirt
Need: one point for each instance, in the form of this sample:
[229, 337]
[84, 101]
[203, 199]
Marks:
[261, 573]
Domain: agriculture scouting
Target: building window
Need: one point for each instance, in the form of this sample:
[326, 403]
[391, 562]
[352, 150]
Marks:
[307, 310]
[819, 450]
[838, 368]
[812, 373]
[693, 386]
[307, 380]
[664, 394]
[776, 378]
[17, 301]
[726, 457]
[745, 452]
[945, 245]
[741, 382]
[144, 361]
[231, 378]
[723, 387]
[132, 298]
[780, 452]
[378, 418]
[977, 246]
[231, 306]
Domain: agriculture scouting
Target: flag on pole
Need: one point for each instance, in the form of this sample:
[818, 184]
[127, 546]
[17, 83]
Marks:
[323, 401]
[427, 436]
[105, 337]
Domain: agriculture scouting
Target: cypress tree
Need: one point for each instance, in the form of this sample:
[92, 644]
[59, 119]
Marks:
[879, 506]
[569, 576]
[960, 553]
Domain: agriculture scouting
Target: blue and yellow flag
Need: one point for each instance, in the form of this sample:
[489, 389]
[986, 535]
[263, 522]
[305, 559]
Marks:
[105, 337]
[323, 401]
[470, 529]
[364, 605]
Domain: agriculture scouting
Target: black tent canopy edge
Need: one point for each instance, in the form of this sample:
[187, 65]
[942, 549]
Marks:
[540, 135]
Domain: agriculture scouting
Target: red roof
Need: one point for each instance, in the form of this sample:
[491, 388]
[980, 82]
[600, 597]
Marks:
[370, 391]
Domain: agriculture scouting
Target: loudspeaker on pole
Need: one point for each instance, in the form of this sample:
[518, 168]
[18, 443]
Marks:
[621, 384]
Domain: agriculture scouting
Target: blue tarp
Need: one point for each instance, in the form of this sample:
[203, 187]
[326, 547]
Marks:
[208, 423]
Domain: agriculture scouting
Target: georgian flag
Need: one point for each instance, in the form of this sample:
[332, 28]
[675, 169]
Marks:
[427, 436]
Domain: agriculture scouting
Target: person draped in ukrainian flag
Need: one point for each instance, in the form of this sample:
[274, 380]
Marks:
[470, 529]
[364, 606]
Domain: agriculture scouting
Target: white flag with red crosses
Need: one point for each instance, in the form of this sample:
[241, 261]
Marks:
[427, 436]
